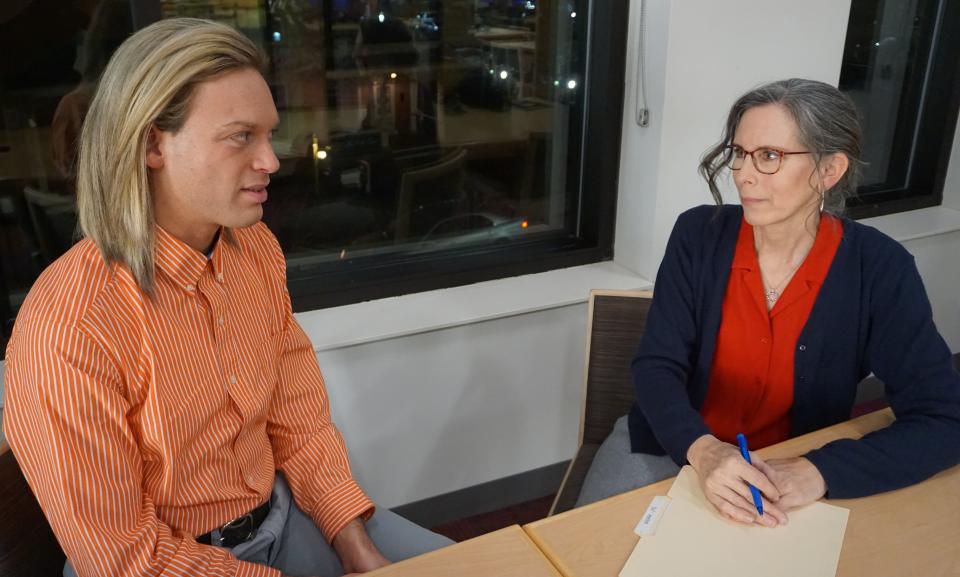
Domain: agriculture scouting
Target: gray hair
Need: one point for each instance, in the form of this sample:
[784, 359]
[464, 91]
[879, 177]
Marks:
[827, 123]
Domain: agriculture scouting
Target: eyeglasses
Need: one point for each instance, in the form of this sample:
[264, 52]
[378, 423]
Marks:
[766, 160]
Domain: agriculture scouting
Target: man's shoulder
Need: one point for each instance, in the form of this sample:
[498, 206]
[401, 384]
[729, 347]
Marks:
[73, 282]
[63, 294]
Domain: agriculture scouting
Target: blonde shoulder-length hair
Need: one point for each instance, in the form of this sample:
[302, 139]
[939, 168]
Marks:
[147, 83]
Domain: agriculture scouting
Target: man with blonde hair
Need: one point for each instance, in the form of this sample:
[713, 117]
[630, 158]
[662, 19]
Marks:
[156, 378]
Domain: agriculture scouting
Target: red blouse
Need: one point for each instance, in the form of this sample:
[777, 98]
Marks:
[751, 381]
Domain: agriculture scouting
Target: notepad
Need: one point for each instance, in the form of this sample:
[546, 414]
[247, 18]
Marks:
[693, 539]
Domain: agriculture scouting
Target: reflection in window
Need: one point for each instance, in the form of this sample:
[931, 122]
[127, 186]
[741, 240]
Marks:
[401, 117]
[409, 128]
[44, 98]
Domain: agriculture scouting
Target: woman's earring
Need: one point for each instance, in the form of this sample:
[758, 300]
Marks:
[822, 199]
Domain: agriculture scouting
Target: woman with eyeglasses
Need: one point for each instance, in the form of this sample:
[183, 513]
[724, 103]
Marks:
[765, 317]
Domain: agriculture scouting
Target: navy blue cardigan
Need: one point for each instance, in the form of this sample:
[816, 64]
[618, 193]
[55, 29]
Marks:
[871, 315]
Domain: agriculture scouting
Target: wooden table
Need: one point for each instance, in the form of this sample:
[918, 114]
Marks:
[505, 553]
[913, 531]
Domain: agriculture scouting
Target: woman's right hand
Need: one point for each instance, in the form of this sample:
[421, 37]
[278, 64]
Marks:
[724, 475]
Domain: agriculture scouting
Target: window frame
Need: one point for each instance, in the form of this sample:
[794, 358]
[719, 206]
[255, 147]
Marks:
[593, 169]
[932, 127]
[598, 119]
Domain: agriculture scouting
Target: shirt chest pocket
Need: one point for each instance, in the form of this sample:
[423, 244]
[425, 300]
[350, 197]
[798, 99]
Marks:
[257, 380]
[238, 378]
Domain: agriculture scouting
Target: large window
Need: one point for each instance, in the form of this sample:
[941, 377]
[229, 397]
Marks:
[901, 67]
[422, 144]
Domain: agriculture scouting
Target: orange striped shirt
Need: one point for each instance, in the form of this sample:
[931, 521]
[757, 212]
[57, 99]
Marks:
[140, 424]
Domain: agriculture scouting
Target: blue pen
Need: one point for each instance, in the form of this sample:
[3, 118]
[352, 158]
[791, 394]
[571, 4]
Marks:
[742, 441]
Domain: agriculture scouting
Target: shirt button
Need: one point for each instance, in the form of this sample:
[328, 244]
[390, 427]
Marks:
[220, 321]
[233, 379]
[219, 277]
[251, 481]
[190, 288]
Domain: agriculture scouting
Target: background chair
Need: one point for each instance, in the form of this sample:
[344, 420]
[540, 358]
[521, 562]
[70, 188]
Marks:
[27, 545]
[616, 321]
[428, 195]
[54, 220]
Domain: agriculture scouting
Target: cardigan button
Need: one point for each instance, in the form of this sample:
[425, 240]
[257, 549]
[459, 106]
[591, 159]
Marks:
[803, 347]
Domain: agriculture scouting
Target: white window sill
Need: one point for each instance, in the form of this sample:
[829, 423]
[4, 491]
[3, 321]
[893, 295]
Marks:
[916, 224]
[395, 317]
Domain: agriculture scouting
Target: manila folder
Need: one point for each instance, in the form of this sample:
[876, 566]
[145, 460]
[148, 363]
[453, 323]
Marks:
[692, 539]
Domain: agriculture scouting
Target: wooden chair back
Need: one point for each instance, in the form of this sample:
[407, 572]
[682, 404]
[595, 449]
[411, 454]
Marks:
[616, 320]
[28, 547]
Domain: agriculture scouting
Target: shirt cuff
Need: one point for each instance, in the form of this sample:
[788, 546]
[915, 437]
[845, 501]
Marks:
[339, 506]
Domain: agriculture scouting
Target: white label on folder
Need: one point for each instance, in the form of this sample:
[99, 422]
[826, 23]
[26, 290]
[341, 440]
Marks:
[648, 523]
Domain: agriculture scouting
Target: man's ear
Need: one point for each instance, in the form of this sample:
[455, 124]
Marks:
[154, 155]
[832, 170]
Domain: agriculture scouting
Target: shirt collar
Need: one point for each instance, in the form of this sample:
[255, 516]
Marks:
[818, 261]
[820, 255]
[184, 264]
[745, 254]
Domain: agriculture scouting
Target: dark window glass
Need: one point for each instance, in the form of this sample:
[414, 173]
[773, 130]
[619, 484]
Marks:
[422, 143]
[900, 66]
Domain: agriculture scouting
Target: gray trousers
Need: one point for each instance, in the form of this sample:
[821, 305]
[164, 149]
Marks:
[290, 541]
[616, 470]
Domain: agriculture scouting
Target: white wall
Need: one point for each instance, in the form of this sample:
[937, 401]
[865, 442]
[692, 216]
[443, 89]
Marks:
[435, 412]
[701, 56]
[439, 410]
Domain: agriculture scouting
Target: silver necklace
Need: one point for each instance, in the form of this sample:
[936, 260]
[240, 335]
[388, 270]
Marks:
[772, 295]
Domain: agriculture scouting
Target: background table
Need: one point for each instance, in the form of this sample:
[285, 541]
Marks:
[505, 553]
[913, 531]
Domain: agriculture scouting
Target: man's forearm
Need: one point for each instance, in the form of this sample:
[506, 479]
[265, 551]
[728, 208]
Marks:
[356, 550]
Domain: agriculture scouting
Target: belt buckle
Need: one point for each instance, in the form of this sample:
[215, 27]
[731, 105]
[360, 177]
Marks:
[237, 525]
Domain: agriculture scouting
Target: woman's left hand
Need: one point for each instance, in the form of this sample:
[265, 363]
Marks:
[797, 479]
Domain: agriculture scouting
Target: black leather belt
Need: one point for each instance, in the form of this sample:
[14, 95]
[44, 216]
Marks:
[237, 531]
